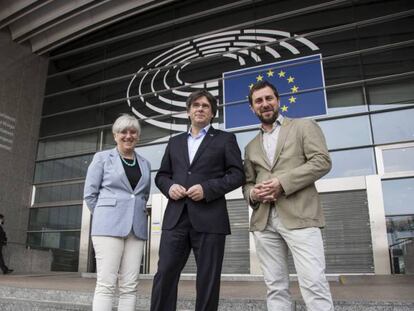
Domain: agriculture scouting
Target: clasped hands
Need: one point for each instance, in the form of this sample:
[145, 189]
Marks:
[267, 191]
[177, 192]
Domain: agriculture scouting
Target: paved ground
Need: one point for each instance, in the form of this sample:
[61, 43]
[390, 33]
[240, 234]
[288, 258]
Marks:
[355, 288]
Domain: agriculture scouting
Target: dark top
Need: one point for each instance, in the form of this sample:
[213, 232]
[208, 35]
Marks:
[3, 237]
[133, 172]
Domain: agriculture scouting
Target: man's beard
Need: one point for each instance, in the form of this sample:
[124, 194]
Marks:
[269, 120]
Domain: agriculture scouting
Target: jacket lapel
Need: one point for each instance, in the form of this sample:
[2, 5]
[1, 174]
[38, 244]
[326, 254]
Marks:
[283, 134]
[183, 145]
[144, 173]
[119, 168]
[260, 146]
[210, 135]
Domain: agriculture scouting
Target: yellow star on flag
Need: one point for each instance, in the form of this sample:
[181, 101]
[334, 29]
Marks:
[251, 85]
[284, 108]
[290, 79]
[270, 73]
[281, 74]
[292, 99]
[294, 89]
[259, 78]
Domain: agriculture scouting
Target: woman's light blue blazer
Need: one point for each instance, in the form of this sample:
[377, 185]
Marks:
[116, 208]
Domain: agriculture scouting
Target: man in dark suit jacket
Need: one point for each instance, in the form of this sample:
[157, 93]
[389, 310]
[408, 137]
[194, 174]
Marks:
[197, 170]
[3, 241]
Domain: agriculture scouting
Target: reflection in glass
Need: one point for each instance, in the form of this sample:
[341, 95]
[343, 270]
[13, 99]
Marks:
[393, 126]
[244, 138]
[55, 218]
[153, 154]
[67, 240]
[67, 146]
[62, 169]
[400, 232]
[391, 95]
[63, 245]
[65, 123]
[59, 193]
[58, 229]
[71, 100]
[358, 162]
[398, 160]
[389, 62]
[108, 139]
[342, 71]
[400, 228]
[347, 132]
[345, 101]
[398, 196]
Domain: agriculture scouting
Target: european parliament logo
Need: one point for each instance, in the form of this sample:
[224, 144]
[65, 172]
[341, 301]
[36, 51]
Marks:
[158, 90]
[300, 83]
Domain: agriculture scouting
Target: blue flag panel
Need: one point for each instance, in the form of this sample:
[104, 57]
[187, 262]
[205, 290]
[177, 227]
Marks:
[300, 83]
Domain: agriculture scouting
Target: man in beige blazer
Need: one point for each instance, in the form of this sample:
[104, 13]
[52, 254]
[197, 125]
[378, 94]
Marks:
[282, 164]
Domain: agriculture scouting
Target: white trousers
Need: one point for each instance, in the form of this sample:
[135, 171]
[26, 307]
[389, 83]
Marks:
[117, 259]
[306, 246]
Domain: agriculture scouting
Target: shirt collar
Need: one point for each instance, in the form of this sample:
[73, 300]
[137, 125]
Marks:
[203, 131]
[278, 122]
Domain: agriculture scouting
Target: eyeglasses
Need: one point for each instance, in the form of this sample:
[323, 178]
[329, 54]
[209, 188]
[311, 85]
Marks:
[199, 105]
[125, 132]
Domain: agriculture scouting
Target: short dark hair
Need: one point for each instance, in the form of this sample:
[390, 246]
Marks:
[261, 85]
[1, 216]
[200, 93]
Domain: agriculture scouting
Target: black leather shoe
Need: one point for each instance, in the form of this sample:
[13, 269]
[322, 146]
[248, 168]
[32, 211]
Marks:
[8, 271]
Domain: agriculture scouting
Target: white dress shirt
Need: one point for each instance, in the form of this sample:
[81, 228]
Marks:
[270, 139]
[194, 142]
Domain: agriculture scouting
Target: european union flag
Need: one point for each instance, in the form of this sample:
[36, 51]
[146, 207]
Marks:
[300, 83]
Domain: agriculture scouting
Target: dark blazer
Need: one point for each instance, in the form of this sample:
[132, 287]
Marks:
[217, 167]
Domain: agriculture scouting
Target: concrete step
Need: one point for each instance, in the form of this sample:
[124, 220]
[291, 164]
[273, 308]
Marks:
[366, 306]
[25, 299]
[64, 291]
[17, 304]
[35, 294]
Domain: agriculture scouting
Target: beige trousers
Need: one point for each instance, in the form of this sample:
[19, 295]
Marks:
[117, 259]
[306, 246]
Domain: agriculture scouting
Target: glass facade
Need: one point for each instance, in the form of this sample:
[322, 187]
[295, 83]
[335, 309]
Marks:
[57, 229]
[398, 160]
[352, 162]
[58, 192]
[399, 211]
[146, 64]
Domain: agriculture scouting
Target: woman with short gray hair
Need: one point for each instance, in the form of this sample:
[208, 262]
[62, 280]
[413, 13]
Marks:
[117, 188]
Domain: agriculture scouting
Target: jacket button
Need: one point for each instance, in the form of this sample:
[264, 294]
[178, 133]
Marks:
[189, 172]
